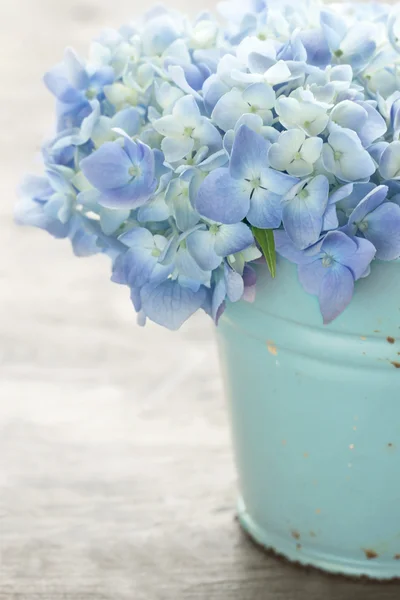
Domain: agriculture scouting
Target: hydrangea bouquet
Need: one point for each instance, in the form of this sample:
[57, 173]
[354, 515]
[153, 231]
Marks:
[187, 151]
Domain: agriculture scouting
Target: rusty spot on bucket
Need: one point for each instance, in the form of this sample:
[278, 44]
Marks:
[295, 534]
[396, 557]
[298, 546]
[318, 511]
[396, 364]
[272, 349]
[313, 534]
[363, 338]
[377, 330]
[371, 554]
[390, 339]
[306, 455]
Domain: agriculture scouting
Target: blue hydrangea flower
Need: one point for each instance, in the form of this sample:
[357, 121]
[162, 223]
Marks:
[258, 99]
[379, 222]
[186, 130]
[74, 86]
[330, 269]
[303, 112]
[344, 156]
[248, 189]
[125, 176]
[295, 153]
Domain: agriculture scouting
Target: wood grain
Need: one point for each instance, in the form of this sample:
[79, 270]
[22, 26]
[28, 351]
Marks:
[116, 473]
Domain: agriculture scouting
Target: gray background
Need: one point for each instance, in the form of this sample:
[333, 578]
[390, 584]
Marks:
[116, 474]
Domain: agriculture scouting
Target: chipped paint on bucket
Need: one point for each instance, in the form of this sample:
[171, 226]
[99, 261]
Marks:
[316, 422]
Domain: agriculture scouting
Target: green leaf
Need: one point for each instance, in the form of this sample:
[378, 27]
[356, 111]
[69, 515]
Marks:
[266, 241]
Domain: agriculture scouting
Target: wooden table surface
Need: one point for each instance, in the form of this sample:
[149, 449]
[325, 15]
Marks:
[116, 472]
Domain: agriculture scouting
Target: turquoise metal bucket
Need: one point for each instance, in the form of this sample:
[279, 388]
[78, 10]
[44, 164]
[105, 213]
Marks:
[316, 422]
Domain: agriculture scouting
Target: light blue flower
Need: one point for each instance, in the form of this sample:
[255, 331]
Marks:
[210, 245]
[344, 156]
[379, 222]
[303, 211]
[262, 64]
[125, 176]
[303, 112]
[74, 86]
[35, 192]
[249, 188]
[330, 269]
[362, 118]
[186, 130]
[104, 129]
[295, 153]
[141, 263]
[354, 45]
[258, 99]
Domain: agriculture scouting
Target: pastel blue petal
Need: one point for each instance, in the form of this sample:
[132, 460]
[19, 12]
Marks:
[143, 268]
[177, 148]
[30, 212]
[75, 70]
[108, 167]
[265, 209]
[218, 299]
[215, 161]
[231, 239]
[189, 272]
[277, 182]
[169, 304]
[111, 220]
[336, 292]
[83, 240]
[368, 204]
[384, 231]
[58, 84]
[390, 162]
[185, 215]
[339, 246]
[249, 154]
[223, 199]
[229, 109]
[137, 237]
[128, 120]
[349, 115]
[178, 76]
[286, 248]
[318, 53]
[303, 215]
[234, 284]
[311, 275]
[200, 245]
[374, 127]
[330, 220]
[155, 210]
[208, 135]
[359, 262]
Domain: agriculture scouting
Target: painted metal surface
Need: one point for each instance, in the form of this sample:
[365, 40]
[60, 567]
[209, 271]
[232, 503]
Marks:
[316, 422]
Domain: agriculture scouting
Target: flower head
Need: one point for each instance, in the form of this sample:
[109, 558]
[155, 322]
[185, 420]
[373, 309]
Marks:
[184, 149]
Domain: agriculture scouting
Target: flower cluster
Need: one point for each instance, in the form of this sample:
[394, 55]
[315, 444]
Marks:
[186, 151]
